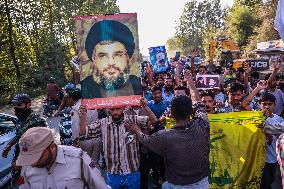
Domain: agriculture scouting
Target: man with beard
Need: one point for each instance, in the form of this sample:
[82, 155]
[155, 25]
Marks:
[207, 97]
[235, 96]
[120, 147]
[110, 46]
[27, 119]
[47, 165]
[168, 90]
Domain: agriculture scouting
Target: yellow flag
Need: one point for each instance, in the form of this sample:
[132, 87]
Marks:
[237, 149]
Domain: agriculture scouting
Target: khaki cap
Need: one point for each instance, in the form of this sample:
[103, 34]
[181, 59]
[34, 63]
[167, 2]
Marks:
[33, 142]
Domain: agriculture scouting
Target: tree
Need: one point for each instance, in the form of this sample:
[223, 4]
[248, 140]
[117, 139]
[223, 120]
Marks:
[172, 44]
[38, 40]
[241, 22]
[264, 31]
[195, 19]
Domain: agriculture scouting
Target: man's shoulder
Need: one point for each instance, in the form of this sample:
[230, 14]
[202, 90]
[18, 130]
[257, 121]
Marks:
[277, 118]
[71, 151]
[150, 102]
[166, 102]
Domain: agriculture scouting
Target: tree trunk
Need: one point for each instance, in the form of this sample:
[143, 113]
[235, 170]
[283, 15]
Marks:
[11, 42]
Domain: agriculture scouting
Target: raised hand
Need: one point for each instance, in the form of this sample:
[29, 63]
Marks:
[130, 126]
[193, 53]
[262, 84]
[83, 111]
[277, 64]
[248, 70]
[143, 102]
[188, 77]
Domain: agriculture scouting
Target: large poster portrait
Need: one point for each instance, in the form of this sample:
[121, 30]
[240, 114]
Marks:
[108, 53]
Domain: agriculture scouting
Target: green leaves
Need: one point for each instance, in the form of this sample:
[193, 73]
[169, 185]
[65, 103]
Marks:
[43, 36]
[197, 16]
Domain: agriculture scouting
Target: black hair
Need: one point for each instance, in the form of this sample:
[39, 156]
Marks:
[268, 75]
[181, 107]
[156, 88]
[202, 66]
[234, 87]
[254, 75]
[180, 87]
[241, 70]
[218, 70]
[169, 76]
[266, 96]
[230, 81]
[207, 93]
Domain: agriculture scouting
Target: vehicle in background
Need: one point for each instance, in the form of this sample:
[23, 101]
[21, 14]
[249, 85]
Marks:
[8, 125]
[228, 51]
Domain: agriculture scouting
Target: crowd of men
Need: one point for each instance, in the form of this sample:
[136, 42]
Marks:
[120, 147]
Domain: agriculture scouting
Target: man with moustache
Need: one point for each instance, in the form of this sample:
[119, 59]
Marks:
[168, 89]
[50, 166]
[207, 97]
[110, 46]
[235, 97]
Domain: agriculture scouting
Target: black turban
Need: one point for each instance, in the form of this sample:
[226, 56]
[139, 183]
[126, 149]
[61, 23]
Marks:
[109, 30]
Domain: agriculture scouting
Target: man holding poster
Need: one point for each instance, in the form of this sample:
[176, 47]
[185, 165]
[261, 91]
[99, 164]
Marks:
[110, 50]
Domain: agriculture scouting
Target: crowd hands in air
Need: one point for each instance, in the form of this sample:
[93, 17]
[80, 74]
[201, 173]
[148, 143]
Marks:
[119, 147]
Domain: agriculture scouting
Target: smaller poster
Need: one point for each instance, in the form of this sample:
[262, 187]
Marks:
[207, 81]
[158, 59]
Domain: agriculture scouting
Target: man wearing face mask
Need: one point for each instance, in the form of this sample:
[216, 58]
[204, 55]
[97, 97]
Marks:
[27, 119]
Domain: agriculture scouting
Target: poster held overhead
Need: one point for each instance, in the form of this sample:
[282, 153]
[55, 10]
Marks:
[108, 52]
[207, 81]
[159, 59]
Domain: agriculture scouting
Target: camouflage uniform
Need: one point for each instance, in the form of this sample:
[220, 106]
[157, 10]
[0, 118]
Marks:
[33, 120]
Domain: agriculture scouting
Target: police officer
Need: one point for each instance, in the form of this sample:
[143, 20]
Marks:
[50, 166]
[27, 119]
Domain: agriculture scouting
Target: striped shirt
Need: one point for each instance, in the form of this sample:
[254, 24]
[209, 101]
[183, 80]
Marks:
[121, 147]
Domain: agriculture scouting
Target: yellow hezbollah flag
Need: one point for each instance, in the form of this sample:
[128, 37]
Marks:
[237, 149]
